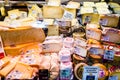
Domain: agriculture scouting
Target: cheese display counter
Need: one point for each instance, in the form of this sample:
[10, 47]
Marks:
[58, 40]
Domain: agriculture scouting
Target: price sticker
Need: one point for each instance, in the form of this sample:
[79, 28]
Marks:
[68, 15]
[109, 54]
[90, 73]
[2, 53]
[95, 50]
[113, 78]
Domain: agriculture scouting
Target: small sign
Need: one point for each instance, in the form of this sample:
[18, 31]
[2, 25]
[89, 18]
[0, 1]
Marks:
[113, 78]
[68, 15]
[2, 53]
[80, 51]
[109, 54]
[81, 42]
[90, 73]
[95, 50]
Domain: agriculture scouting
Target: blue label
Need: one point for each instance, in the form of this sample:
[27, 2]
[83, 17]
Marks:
[109, 54]
[65, 74]
[113, 78]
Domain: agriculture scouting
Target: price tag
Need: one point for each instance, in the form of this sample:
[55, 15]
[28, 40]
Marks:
[81, 51]
[95, 50]
[113, 78]
[2, 53]
[81, 42]
[90, 73]
[109, 54]
[68, 15]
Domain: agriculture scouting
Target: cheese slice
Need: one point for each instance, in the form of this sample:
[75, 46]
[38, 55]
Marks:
[4, 61]
[21, 36]
[52, 12]
[72, 4]
[53, 30]
[21, 71]
[9, 67]
[109, 20]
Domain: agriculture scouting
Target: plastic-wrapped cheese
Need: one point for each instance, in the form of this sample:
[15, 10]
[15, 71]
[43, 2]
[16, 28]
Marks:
[109, 20]
[68, 42]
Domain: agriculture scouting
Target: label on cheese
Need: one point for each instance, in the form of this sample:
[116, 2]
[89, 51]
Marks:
[105, 38]
[81, 51]
[103, 22]
[90, 73]
[113, 78]
[67, 15]
[2, 53]
[97, 51]
[109, 54]
[81, 42]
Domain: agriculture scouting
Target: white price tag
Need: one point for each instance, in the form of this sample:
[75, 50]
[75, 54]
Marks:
[97, 51]
[81, 51]
[109, 54]
[68, 15]
[113, 78]
[81, 42]
[103, 22]
[90, 73]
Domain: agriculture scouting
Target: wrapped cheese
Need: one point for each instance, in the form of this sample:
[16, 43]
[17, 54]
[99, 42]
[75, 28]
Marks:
[92, 32]
[109, 20]
[52, 12]
[14, 14]
[72, 4]
[68, 42]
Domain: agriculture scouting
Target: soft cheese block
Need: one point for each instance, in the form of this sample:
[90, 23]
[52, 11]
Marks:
[21, 36]
[52, 12]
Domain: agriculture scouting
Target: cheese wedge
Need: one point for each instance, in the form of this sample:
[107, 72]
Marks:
[53, 30]
[13, 14]
[52, 12]
[109, 20]
[17, 49]
[21, 36]
[21, 71]
[4, 61]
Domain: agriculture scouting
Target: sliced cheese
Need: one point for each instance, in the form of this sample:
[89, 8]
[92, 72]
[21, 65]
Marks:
[52, 12]
[21, 36]
[53, 30]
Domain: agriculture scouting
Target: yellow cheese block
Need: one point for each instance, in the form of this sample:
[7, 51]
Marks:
[22, 35]
[4, 61]
[53, 30]
[90, 18]
[109, 20]
[52, 12]
[71, 10]
[21, 71]
[17, 49]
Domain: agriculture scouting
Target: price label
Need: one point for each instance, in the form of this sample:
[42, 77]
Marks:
[90, 73]
[113, 78]
[109, 54]
[81, 42]
[81, 51]
[95, 50]
[2, 53]
[68, 15]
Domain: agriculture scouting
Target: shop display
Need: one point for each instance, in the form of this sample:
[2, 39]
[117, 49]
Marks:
[61, 41]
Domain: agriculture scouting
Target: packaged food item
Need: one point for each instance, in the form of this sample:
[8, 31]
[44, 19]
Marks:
[53, 30]
[68, 42]
[72, 4]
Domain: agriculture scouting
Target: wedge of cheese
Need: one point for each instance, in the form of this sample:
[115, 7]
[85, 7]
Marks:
[4, 61]
[21, 71]
[72, 4]
[17, 49]
[14, 14]
[9, 67]
[53, 30]
[109, 20]
[21, 36]
[52, 12]
[93, 33]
